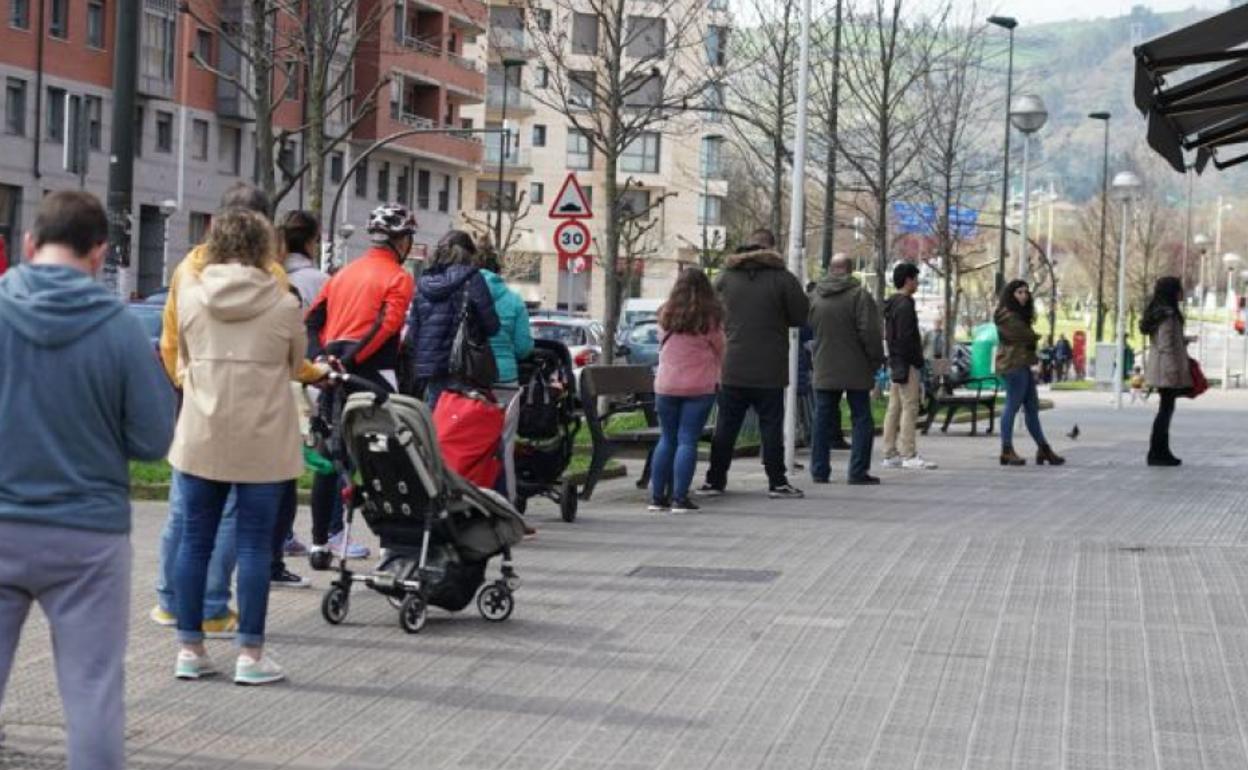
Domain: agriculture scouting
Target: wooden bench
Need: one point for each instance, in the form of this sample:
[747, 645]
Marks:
[625, 389]
[944, 393]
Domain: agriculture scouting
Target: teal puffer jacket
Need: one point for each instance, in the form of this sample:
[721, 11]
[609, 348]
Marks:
[513, 341]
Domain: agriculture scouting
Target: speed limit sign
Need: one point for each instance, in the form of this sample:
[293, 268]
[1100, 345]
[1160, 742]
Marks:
[572, 238]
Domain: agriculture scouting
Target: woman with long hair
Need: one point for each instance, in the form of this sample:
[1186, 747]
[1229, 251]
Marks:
[1168, 370]
[691, 352]
[1016, 355]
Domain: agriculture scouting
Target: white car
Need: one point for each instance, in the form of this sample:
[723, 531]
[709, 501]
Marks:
[582, 336]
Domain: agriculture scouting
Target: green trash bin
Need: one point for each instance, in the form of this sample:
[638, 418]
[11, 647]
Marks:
[983, 350]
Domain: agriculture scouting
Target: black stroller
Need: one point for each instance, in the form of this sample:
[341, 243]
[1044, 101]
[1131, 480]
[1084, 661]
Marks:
[546, 428]
[438, 531]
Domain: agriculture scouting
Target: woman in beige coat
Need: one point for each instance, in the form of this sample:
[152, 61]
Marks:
[1168, 370]
[241, 341]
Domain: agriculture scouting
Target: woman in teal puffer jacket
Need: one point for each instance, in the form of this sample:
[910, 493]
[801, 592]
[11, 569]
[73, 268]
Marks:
[514, 340]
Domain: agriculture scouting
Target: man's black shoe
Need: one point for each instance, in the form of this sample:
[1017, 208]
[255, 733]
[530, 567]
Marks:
[842, 445]
[864, 481]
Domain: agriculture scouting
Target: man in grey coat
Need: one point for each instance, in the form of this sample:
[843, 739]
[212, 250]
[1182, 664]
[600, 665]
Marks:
[848, 350]
[762, 301]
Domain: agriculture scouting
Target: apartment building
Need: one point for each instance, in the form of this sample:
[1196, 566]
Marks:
[679, 165]
[194, 131]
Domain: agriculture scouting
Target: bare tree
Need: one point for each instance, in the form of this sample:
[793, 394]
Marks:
[888, 54]
[826, 90]
[622, 72]
[267, 43]
[513, 213]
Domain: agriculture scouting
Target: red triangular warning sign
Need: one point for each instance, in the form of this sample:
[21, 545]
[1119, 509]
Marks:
[570, 203]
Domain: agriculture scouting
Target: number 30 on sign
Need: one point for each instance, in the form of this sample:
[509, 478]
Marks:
[572, 238]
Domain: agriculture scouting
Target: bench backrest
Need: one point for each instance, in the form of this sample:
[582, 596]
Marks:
[602, 381]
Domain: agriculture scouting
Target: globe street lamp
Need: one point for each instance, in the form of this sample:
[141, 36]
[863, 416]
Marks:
[1126, 186]
[1231, 260]
[1028, 115]
[1100, 270]
[1006, 23]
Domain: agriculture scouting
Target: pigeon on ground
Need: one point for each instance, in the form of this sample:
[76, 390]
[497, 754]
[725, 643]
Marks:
[1074, 433]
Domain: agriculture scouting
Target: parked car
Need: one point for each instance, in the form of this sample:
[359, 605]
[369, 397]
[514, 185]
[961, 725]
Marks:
[582, 336]
[641, 344]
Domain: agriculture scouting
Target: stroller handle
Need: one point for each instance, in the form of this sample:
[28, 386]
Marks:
[380, 394]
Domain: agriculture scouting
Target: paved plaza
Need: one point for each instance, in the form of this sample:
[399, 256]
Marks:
[1091, 616]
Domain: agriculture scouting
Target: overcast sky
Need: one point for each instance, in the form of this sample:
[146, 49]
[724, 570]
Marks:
[1035, 11]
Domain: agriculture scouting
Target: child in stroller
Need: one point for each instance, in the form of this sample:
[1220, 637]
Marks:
[437, 530]
[546, 428]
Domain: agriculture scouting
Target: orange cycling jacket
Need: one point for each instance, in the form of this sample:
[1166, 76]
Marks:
[364, 305]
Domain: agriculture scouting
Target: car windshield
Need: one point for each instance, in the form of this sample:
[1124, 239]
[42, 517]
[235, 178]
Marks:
[647, 334]
[565, 333]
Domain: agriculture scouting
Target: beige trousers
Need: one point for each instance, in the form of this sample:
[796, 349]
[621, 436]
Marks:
[902, 416]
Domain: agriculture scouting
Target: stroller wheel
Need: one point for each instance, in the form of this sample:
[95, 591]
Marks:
[567, 502]
[320, 560]
[335, 605]
[412, 614]
[495, 602]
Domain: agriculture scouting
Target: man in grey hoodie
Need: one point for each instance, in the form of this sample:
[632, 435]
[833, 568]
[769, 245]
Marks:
[83, 392]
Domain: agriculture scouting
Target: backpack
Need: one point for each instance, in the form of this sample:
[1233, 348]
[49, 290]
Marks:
[539, 409]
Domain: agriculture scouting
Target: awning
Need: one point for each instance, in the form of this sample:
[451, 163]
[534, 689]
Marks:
[1193, 86]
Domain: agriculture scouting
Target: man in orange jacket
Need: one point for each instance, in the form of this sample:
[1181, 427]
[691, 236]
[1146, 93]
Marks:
[357, 319]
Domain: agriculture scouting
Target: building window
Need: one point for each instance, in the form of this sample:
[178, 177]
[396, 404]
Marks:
[361, 180]
[537, 192]
[488, 198]
[156, 55]
[713, 157]
[541, 17]
[292, 80]
[15, 107]
[580, 151]
[709, 209]
[203, 47]
[643, 90]
[716, 46]
[459, 193]
[539, 136]
[422, 189]
[139, 121]
[335, 168]
[56, 115]
[164, 131]
[19, 14]
[229, 149]
[444, 194]
[542, 78]
[200, 224]
[585, 33]
[199, 140]
[581, 87]
[383, 181]
[95, 23]
[641, 156]
[403, 185]
[95, 122]
[717, 5]
[713, 101]
[647, 37]
[58, 20]
[635, 204]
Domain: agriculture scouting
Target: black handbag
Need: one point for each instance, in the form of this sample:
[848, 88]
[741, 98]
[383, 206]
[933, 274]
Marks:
[472, 359]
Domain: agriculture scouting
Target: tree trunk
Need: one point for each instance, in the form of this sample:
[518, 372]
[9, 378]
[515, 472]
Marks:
[611, 157]
[316, 98]
[262, 78]
[829, 201]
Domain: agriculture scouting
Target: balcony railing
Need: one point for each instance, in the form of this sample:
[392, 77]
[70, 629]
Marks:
[464, 63]
[426, 44]
[416, 121]
[514, 159]
[516, 99]
[511, 39]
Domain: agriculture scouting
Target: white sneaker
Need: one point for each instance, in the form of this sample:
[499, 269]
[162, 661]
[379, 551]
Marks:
[257, 672]
[191, 666]
[354, 550]
[917, 463]
[892, 462]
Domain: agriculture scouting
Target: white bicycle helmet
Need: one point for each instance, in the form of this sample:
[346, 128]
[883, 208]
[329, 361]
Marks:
[390, 220]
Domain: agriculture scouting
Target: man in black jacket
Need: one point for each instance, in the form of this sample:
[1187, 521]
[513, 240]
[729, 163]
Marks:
[905, 369]
[762, 301]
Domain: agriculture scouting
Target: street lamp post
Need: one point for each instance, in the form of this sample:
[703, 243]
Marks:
[1100, 269]
[1028, 115]
[1201, 242]
[167, 209]
[1126, 185]
[504, 141]
[1231, 261]
[1007, 23]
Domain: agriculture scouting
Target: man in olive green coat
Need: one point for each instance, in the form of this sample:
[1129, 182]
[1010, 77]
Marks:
[848, 350]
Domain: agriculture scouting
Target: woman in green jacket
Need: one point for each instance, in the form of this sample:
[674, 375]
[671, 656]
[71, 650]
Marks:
[513, 341]
[1016, 355]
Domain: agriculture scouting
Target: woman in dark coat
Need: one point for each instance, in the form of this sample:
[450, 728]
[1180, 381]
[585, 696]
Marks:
[1016, 355]
[1168, 370]
[434, 316]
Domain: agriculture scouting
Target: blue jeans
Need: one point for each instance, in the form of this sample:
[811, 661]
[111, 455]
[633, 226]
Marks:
[827, 428]
[1020, 391]
[220, 568]
[256, 518]
[681, 420]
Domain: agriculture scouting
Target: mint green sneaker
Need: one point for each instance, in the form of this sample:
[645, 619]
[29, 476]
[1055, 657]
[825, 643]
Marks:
[192, 666]
[257, 672]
